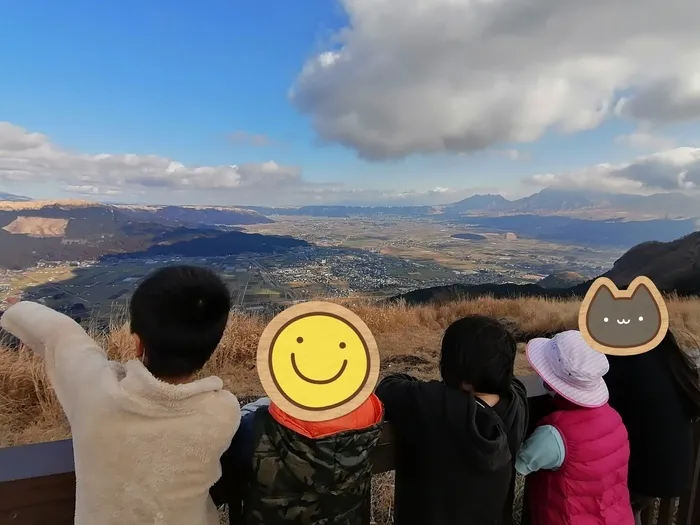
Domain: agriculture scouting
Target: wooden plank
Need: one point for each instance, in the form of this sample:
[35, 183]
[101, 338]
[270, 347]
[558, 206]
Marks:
[36, 491]
[54, 513]
[46, 500]
[36, 460]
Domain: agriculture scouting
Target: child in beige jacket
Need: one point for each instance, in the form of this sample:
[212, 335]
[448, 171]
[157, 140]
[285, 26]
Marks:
[147, 436]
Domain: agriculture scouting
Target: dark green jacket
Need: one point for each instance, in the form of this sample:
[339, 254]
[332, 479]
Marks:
[307, 481]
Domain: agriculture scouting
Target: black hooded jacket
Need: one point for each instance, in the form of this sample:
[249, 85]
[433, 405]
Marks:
[658, 413]
[454, 455]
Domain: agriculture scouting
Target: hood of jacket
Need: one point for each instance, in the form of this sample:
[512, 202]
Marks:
[490, 436]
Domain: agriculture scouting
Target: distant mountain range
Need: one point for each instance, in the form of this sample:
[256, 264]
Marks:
[36, 231]
[549, 201]
[584, 218]
[12, 198]
[673, 266]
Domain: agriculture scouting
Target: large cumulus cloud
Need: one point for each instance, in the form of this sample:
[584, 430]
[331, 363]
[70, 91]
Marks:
[430, 76]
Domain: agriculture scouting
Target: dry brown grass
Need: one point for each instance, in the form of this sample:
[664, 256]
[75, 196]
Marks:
[408, 338]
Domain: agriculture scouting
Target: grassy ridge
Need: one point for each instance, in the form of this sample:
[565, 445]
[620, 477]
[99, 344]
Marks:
[408, 339]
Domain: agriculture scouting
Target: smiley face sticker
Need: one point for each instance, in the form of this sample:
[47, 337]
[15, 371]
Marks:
[623, 322]
[317, 361]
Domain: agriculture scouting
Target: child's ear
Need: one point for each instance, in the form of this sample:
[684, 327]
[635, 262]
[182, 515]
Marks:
[139, 346]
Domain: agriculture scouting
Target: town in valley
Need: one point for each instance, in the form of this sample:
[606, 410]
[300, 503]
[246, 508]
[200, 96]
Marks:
[346, 257]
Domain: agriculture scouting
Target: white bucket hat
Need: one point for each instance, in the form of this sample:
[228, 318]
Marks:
[570, 367]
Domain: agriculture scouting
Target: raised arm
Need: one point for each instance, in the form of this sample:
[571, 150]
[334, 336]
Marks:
[73, 359]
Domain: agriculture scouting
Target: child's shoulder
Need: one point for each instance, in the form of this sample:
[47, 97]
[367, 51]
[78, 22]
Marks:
[221, 412]
[225, 400]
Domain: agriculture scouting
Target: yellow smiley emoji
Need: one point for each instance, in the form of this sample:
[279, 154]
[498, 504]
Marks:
[318, 361]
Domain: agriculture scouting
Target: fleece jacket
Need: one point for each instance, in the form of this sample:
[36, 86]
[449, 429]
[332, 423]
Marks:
[146, 452]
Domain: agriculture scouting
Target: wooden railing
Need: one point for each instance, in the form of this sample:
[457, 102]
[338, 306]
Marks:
[37, 482]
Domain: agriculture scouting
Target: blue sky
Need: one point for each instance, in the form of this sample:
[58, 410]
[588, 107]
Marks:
[177, 78]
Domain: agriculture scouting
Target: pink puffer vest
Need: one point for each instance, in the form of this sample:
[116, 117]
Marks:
[590, 488]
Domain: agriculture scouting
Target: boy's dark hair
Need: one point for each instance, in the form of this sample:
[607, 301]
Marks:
[478, 351]
[179, 313]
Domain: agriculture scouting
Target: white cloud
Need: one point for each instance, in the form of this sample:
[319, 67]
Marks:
[675, 169]
[645, 141]
[88, 190]
[32, 158]
[431, 76]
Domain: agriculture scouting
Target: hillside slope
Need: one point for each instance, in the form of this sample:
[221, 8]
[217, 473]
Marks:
[561, 280]
[673, 266]
[195, 215]
[79, 230]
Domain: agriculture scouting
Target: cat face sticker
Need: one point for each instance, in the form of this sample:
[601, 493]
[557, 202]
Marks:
[623, 322]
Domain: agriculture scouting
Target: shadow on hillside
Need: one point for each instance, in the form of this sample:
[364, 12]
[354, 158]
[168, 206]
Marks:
[209, 242]
[683, 287]
[78, 295]
[454, 292]
[92, 293]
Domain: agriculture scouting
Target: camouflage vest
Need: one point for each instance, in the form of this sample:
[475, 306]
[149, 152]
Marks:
[307, 481]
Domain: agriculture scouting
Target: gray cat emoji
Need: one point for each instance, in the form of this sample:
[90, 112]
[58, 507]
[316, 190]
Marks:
[623, 322]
